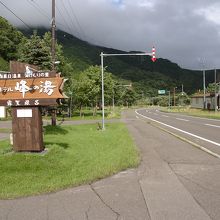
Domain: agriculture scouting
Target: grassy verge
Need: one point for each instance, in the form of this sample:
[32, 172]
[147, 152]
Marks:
[76, 155]
[88, 115]
[194, 112]
[5, 130]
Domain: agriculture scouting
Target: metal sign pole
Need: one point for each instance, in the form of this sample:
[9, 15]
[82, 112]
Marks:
[103, 101]
[102, 74]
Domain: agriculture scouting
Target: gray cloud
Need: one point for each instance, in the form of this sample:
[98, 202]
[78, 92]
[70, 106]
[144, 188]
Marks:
[182, 31]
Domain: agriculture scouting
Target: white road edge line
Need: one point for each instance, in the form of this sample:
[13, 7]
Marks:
[181, 119]
[185, 132]
[190, 116]
[216, 126]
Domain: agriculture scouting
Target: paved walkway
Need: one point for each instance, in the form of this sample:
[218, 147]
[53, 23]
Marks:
[152, 191]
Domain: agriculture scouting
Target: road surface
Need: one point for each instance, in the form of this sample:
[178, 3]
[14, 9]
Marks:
[175, 179]
[202, 131]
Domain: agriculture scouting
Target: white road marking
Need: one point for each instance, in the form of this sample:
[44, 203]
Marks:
[166, 116]
[197, 117]
[181, 119]
[216, 126]
[177, 129]
[137, 117]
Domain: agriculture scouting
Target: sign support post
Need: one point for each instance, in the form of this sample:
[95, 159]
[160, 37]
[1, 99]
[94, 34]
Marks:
[26, 90]
[27, 129]
[102, 55]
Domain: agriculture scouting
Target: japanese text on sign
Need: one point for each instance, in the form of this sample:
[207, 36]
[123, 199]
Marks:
[44, 87]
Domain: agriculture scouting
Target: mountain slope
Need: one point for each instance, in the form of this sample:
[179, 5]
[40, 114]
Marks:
[145, 74]
[147, 77]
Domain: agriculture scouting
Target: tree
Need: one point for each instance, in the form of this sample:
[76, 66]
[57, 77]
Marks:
[10, 38]
[35, 51]
[212, 86]
[87, 89]
[183, 99]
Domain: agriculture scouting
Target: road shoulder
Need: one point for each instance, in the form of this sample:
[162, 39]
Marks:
[165, 195]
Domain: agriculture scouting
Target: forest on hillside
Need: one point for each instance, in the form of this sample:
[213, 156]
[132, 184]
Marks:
[80, 61]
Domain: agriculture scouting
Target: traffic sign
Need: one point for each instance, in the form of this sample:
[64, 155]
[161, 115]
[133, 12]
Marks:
[161, 92]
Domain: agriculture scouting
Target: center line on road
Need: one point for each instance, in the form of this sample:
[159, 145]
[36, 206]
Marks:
[180, 130]
[181, 119]
[165, 116]
[216, 126]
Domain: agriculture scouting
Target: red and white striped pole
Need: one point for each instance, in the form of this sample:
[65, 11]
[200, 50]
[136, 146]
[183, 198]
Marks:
[153, 54]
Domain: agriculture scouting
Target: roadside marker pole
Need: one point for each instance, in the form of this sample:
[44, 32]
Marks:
[152, 54]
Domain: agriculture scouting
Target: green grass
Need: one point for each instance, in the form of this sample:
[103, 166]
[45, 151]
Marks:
[194, 112]
[88, 115]
[5, 130]
[76, 155]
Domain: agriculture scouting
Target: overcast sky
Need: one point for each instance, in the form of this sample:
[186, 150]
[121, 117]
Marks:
[185, 31]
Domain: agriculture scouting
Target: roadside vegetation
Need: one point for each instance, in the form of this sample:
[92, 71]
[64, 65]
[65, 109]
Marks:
[193, 112]
[75, 155]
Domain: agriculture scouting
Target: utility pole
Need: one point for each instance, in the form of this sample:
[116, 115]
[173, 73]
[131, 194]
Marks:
[53, 35]
[204, 90]
[202, 63]
[53, 112]
[169, 100]
[174, 101]
[215, 94]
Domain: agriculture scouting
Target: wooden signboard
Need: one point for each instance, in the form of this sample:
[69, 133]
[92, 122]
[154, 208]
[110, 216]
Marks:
[29, 91]
[25, 89]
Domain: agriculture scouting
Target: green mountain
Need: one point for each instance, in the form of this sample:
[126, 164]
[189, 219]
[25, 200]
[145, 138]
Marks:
[146, 77]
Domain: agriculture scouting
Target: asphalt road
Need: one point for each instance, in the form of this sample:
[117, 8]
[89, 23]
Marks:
[202, 131]
[197, 170]
[175, 180]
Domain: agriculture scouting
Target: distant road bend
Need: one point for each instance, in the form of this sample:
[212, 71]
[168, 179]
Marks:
[201, 131]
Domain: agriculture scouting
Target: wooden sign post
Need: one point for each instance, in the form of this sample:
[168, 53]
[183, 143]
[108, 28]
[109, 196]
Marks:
[25, 92]
[27, 129]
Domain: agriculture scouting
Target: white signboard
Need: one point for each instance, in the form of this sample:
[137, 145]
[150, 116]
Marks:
[161, 92]
[24, 113]
[2, 112]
